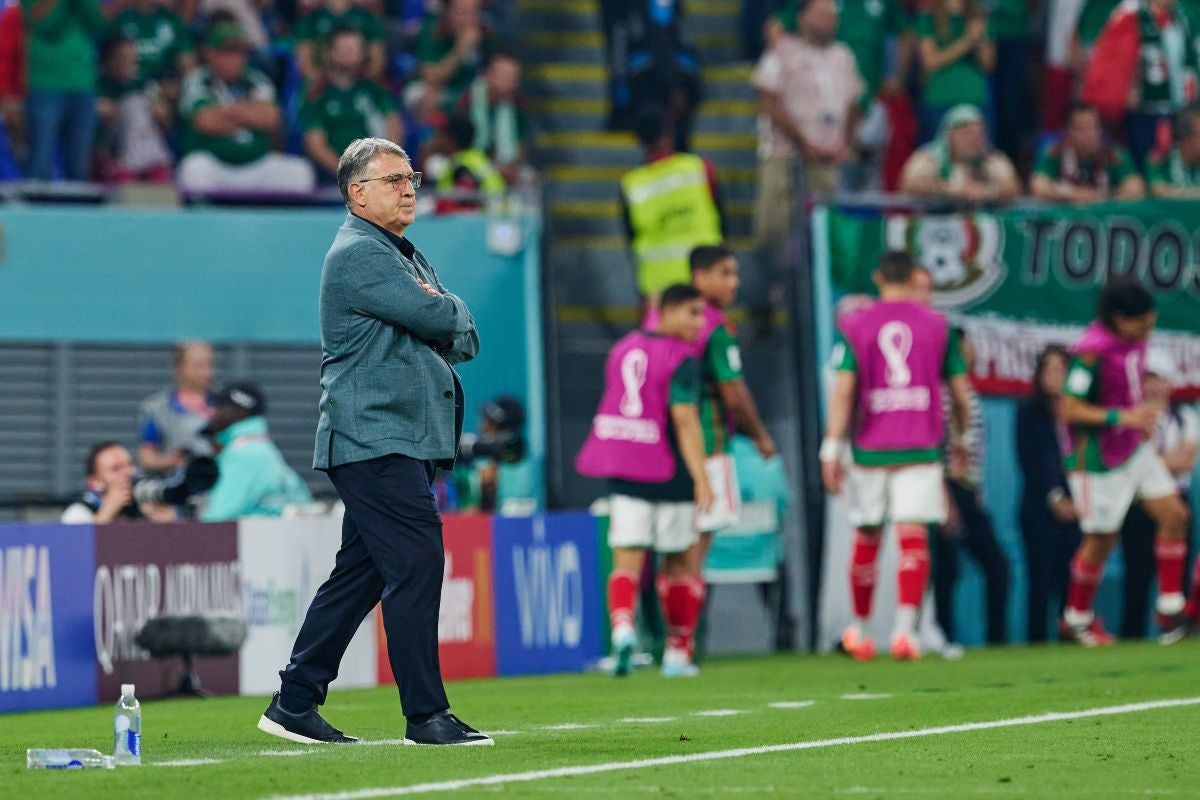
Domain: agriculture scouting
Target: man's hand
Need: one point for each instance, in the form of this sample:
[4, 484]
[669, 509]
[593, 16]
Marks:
[467, 40]
[704, 496]
[157, 512]
[1142, 418]
[113, 502]
[960, 461]
[976, 30]
[430, 290]
[766, 447]
[1063, 509]
[833, 475]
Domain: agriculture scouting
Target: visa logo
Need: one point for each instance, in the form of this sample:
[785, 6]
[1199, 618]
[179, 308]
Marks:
[549, 584]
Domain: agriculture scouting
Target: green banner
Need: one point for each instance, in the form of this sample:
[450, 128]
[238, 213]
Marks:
[1022, 278]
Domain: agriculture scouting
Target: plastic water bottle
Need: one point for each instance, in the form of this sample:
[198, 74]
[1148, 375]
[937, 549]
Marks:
[127, 728]
[68, 759]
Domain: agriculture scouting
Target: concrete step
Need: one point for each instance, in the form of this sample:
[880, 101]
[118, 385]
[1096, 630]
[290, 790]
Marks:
[568, 225]
[591, 8]
[586, 45]
[714, 124]
[732, 191]
[559, 73]
[628, 157]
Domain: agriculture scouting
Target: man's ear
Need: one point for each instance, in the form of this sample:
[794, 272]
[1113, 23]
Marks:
[355, 192]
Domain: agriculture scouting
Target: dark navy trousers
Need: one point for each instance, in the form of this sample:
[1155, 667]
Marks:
[391, 551]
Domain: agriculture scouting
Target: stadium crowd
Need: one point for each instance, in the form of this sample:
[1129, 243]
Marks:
[951, 100]
[239, 96]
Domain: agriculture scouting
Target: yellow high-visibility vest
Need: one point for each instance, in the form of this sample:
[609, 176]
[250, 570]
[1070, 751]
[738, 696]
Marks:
[672, 211]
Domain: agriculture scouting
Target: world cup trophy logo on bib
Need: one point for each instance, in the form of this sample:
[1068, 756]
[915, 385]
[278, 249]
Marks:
[895, 343]
[633, 376]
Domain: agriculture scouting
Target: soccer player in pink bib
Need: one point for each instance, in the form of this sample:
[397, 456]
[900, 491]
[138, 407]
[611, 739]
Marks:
[891, 359]
[1112, 465]
[646, 439]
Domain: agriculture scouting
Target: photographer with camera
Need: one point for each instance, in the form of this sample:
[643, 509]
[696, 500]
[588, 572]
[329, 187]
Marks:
[254, 480]
[111, 491]
[493, 473]
[170, 421]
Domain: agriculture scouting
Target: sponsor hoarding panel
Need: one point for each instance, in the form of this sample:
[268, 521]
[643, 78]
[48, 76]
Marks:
[46, 655]
[466, 618]
[144, 571]
[547, 607]
[282, 564]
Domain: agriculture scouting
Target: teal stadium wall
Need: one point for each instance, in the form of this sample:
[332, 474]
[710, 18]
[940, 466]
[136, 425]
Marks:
[114, 275]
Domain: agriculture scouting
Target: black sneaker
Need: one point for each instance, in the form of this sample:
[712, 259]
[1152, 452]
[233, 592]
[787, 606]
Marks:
[445, 728]
[306, 728]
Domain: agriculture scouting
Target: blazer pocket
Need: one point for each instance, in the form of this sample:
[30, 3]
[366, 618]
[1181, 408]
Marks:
[391, 403]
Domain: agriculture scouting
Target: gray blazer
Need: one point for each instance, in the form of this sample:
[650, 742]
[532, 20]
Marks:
[387, 349]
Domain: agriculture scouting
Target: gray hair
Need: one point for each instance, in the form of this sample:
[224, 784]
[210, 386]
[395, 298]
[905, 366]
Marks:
[354, 161]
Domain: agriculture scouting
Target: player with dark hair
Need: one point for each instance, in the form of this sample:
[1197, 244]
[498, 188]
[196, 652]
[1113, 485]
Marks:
[1112, 466]
[646, 441]
[891, 359]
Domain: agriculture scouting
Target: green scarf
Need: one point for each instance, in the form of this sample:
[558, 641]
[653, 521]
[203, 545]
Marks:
[495, 127]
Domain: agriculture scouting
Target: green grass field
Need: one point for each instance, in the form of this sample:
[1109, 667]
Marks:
[577, 721]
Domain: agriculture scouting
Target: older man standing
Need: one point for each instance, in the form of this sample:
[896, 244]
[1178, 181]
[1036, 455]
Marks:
[391, 415]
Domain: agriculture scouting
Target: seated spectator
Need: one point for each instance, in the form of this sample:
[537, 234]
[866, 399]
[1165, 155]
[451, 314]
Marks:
[467, 171]
[109, 495]
[61, 107]
[1175, 172]
[344, 105]
[254, 480]
[314, 35]
[809, 91]
[450, 51]
[960, 164]
[230, 117]
[13, 87]
[170, 421]
[495, 107]
[957, 54]
[1082, 168]
[134, 116]
[164, 46]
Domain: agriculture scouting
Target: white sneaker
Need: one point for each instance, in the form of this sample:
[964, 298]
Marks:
[624, 642]
[677, 663]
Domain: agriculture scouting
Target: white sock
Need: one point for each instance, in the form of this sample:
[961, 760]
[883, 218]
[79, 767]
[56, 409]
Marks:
[1170, 604]
[906, 619]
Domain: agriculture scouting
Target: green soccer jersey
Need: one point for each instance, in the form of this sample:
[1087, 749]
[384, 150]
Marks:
[685, 390]
[434, 44]
[722, 364]
[1169, 168]
[1108, 169]
[161, 38]
[961, 81]
[1083, 383]
[201, 90]
[953, 365]
[347, 113]
[315, 26]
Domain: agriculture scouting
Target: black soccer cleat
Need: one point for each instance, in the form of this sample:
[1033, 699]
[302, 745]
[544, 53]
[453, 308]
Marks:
[306, 728]
[445, 729]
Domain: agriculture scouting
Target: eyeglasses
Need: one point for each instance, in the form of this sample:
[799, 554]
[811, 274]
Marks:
[394, 181]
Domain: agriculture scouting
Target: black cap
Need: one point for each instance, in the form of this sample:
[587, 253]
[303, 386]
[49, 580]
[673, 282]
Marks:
[244, 395]
[506, 412]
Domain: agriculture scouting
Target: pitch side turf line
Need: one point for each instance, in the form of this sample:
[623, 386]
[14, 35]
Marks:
[741, 752]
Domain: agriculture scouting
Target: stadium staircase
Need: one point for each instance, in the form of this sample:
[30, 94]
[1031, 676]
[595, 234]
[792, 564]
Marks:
[589, 275]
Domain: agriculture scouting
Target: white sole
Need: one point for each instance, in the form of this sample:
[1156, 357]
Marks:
[275, 729]
[479, 743]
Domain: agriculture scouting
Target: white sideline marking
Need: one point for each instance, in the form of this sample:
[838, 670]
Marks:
[791, 704]
[720, 712]
[187, 762]
[285, 753]
[568, 726]
[648, 720]
[499, 733]
[865, 696]
[741, 752]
